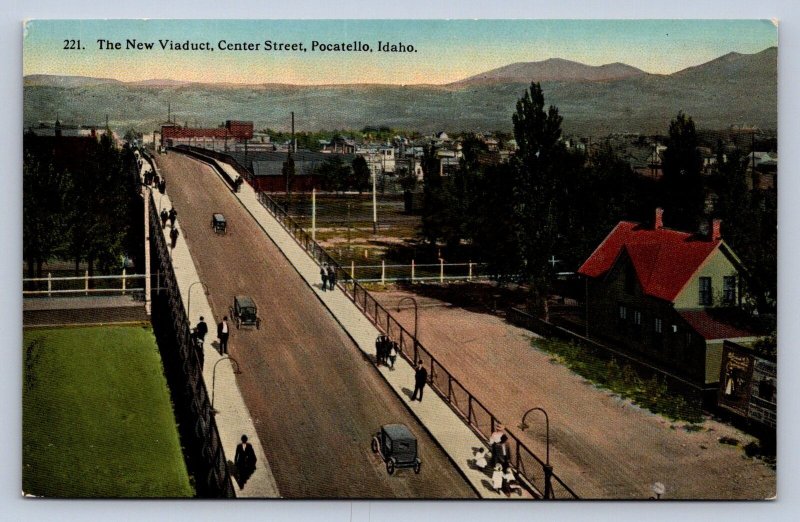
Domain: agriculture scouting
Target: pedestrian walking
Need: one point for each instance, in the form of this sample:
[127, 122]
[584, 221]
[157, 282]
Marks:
[162, 187]
[392, 353]
[323, 273]
[223, 331]
[331, 277]
[164, 218]
[420, 378]
[199, 336]
[494, 443]
[173, 215]
[156, 180]
[245, 461]
[173, 235]
[504, 452]
[148, 178]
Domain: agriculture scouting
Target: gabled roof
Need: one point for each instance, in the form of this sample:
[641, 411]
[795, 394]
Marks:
[664, 259]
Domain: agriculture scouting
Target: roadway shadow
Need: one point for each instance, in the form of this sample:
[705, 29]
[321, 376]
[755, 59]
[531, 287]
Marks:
[408, 393]
[215, 346]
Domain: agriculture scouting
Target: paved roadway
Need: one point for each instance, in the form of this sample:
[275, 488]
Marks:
[314, 399]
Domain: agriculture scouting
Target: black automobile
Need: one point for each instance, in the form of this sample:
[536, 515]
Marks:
[218, 223]
[245, 312]
[397, 446]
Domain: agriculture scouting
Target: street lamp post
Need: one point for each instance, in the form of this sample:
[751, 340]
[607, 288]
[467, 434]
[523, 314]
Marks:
[548, 469]
[416, 321]
[189, 304]
[237, 371]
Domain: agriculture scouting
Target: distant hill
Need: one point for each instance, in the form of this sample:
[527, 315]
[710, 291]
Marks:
[554, 69]
[732, 89]
[51, 80]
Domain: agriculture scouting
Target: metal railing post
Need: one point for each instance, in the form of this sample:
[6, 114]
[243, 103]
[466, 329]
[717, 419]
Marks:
[441, 270]
[86, 278]
[49, 284]
[412, 271]
[383, 272]
[469, 277]
[123, 281]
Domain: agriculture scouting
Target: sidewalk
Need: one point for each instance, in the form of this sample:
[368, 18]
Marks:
[233, 418]
[455, 437]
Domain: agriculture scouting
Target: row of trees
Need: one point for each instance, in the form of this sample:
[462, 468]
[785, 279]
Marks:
[548, 208]
[78, 204]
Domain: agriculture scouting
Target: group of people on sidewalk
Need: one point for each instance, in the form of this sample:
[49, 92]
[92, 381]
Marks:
[386, 351]
[199, 335]
[152, 179]
[170, 216]
[328, 275]
[504, 479]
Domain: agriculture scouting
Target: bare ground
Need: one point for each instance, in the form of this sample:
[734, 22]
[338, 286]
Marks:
[601, 446]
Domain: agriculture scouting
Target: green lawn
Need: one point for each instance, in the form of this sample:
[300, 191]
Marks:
[97, 418]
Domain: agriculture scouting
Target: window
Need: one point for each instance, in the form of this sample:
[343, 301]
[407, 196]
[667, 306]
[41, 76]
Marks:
[705, 291]
[623, 313]
[658, 326]
[729, 289]
[637, 318]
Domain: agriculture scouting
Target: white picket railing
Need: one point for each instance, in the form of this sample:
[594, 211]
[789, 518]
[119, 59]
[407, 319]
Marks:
[85, 284]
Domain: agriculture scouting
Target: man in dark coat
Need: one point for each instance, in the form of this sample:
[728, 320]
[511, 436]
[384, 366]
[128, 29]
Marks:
[223, 331]
[162, 187]
[331, 277]
[164, 218]
[173, 215]
[173, 235]
[323, 273]
[245, 461]
[420, 378]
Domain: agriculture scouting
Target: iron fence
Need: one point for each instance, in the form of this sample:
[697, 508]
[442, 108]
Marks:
[528, 465]
[217, 479]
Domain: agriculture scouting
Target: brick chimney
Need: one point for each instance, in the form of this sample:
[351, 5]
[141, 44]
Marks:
[716, 235]
[659, 224]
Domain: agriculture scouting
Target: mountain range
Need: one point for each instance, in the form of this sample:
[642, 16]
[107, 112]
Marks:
[729, 90]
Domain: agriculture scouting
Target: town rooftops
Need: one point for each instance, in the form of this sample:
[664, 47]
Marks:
[664, 260]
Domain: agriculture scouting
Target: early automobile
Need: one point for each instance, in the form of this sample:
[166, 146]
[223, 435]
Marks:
[245, 312]
[218, 223]
[397, 446]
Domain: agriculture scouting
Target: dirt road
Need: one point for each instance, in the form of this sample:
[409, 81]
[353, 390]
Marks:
[315, 400]
[601, 446]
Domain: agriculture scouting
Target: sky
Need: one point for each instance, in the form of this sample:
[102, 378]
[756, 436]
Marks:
[444, 50]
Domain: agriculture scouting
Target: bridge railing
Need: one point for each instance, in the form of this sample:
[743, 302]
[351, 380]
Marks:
[218, 478]
[529, 466]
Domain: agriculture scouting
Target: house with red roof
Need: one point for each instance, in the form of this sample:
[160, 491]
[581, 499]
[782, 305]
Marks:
[669, 297]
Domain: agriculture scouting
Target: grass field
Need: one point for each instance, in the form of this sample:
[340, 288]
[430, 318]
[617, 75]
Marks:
[97, 416]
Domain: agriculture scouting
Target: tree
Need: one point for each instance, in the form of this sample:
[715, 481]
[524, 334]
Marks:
[683, 193]
[537, 199]
[43, 211]
[432, 197]
[361, 174]
[335, 173]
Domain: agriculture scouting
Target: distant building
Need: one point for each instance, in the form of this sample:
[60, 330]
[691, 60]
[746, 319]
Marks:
[228, 135]
[266, 169]
[668, 297]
